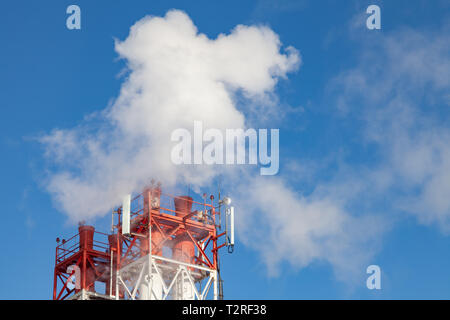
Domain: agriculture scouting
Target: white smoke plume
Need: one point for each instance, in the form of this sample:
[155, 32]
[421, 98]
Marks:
[403, 100]
[285, 226]
[177, 76]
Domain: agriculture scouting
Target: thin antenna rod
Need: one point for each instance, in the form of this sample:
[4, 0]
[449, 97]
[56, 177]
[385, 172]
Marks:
[220, 214]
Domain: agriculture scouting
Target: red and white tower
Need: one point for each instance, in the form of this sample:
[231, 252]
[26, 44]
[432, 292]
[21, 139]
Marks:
[162, 247]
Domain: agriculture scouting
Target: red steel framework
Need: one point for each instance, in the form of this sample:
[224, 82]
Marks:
[172, 227]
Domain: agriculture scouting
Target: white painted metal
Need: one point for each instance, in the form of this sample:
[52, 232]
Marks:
[232, 226]
[172, 279]
[149, 276]
[156, 288]
[88, 295]
[184, 287]
[126, 205]
[216, 289]
[229, 226]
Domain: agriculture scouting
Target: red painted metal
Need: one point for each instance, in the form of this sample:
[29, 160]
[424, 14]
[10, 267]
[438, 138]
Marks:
[183, 206]
[81, 251]
[183, 248]
[188, 228]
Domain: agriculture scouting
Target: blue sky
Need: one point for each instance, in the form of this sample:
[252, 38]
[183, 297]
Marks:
[366, 135]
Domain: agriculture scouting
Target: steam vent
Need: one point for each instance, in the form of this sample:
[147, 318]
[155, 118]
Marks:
[162, 247]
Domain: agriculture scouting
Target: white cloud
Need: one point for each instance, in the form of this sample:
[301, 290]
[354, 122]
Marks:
[287, 227]
[176, 75]
[400, 90]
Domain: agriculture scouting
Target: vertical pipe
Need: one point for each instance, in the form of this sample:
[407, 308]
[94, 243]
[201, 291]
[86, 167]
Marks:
[203, 248]
[112, 220]
[117, 266]
[215, 285]
[215, 250]
[150, 284]
[214, 213]
[55, 276]
[111, 273]
[111, 270]
[83, 273]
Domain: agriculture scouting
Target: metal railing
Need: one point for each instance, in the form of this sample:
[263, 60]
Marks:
[167, 206]
[71, 246]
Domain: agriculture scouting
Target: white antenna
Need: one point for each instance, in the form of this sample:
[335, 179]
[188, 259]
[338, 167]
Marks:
[126, 205]
[230, 227]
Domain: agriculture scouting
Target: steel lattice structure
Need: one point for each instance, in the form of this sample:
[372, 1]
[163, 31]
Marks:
[168, 249]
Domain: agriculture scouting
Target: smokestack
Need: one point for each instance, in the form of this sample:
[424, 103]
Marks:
[87, 243]
[183, 205]
[183, 248]
[86, 236]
